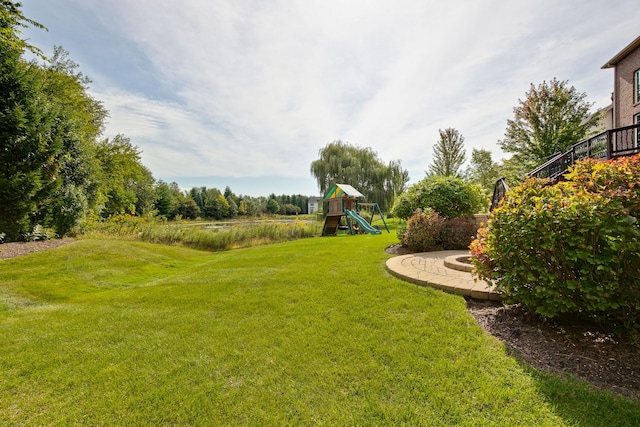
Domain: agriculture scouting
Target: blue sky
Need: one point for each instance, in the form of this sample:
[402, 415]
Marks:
[245, 93]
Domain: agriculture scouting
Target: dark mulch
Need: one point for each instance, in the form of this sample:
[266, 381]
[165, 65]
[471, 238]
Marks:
[561, 346]
[564, 346]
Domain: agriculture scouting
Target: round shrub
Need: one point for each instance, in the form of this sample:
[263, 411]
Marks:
[450, 197]
[423, 231]
[458, 233]
[573, 247]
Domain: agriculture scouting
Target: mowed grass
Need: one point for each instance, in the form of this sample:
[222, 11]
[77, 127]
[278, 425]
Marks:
[309, 332]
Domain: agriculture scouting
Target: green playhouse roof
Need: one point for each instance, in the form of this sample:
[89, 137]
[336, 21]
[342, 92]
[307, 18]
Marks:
[343, 190]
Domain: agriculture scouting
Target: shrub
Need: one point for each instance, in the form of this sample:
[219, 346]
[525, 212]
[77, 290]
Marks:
[569, 248]
[39, 233]
[423, 231]
[450, 197]
[68, 209]
[401, 228]
[458, 233]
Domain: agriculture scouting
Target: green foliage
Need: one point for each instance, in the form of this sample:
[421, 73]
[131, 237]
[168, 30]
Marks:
[515, 169]
[342, 163]
[570, 248]
[427, 231]
[242, 208]
[272, 206]
[450, 197]
[223, 207]
[458, 233]
[448, 154]
[123, 174]
[11, 20]
[54, 172]
[289, 209]
[166, 201]
[216, 205]
[551, 118]
[296, 203]
[69, 207]
[483, 171]
[233, 207]
[423, 231]
[188, 209]
[39, 233]
[27, 154]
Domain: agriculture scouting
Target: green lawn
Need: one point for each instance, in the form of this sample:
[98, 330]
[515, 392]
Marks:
[310, 332]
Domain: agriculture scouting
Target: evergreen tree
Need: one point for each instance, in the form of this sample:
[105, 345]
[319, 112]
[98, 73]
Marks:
[28, 175]
[448, 154]
[272, 206]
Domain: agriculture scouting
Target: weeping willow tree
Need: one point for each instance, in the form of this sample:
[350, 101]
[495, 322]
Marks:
[343, 163]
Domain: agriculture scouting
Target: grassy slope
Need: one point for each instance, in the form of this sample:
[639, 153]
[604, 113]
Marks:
[306, 332]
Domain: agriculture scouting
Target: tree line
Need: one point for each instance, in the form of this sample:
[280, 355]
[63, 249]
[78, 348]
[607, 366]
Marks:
[549, 120]
[202, 202]
[56, 167]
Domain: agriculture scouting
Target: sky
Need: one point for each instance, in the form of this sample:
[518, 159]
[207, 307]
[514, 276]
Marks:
[244, 93]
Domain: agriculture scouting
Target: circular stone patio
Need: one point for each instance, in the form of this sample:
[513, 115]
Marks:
[441, 270]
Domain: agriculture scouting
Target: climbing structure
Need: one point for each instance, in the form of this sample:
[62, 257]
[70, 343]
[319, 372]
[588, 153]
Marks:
[345, 201]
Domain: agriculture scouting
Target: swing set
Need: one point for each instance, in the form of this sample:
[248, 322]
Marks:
[345, 201]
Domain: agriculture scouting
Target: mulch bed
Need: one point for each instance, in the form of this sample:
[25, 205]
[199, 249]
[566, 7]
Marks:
[10, 250]
[561, 346]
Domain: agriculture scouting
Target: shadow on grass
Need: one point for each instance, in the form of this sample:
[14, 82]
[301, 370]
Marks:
[580, 404]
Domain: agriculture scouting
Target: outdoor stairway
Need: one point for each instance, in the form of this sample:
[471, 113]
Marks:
[612, 143]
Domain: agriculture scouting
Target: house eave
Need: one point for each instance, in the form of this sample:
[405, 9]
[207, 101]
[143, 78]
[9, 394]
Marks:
[622, 54]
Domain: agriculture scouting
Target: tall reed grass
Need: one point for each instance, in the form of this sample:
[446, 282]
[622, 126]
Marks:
[154, 230]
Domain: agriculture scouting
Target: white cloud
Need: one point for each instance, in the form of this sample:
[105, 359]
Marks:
[255, 88]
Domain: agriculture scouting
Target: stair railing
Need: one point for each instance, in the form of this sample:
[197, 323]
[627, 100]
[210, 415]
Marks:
[499, 190]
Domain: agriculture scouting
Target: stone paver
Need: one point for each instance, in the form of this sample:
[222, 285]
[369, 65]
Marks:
[429, 269]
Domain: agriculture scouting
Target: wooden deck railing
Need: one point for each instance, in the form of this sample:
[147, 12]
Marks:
[606, 145]
[620, 142]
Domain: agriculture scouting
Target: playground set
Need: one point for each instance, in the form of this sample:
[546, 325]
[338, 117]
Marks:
[345, 201]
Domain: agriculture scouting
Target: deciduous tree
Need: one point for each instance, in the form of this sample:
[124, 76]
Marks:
[552, 117]
[53, 169]
[483, 170]
[123, 175]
